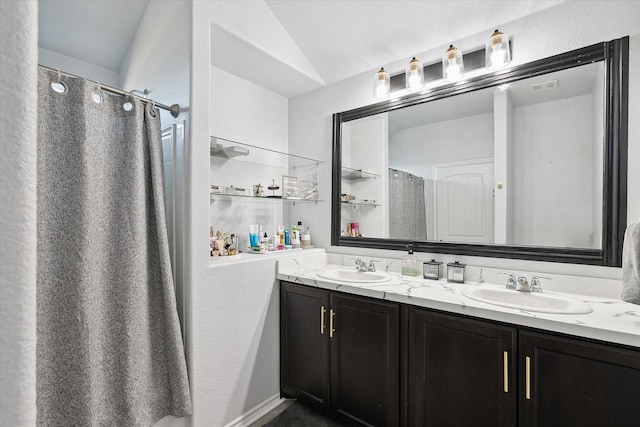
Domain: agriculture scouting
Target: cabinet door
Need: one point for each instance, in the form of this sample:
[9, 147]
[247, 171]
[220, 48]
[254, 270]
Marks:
[304, 343]
[461, 371]
[568, 382]
[364, 360]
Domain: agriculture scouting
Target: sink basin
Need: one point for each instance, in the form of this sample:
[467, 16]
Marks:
[540, 302]
[353, 275]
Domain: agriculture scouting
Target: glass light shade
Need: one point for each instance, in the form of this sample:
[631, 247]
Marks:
[381, 84]
[497, 54]
[452, 65]
[414, 75]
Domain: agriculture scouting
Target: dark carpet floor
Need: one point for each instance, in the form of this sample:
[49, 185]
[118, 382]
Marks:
[300, 415]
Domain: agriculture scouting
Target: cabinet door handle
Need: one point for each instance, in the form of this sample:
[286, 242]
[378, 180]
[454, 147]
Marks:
[527, 378]
[322, 325]
[505, 366]
[331, 330]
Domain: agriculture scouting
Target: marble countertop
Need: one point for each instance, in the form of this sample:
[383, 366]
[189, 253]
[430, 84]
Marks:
[612, 320]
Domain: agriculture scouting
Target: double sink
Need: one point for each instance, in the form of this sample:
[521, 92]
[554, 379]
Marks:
[528, 301]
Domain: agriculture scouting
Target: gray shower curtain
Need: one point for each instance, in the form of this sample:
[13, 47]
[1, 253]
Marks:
[109, 349]
[407, 208]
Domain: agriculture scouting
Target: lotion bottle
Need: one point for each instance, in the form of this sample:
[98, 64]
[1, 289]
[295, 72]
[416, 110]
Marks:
[410, 265]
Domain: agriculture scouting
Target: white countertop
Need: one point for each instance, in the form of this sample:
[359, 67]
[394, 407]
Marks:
[612, 320]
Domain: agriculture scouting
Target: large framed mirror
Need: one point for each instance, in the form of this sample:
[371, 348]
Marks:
[526, 163]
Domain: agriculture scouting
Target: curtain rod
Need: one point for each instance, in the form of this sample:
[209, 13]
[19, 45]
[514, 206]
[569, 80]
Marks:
[173, 109]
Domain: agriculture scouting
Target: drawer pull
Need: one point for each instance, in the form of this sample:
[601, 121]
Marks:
[505, 376]
[331, 330]
[322, 325]
[527, 378]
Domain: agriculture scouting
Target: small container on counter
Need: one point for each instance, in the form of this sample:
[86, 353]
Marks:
[455, 272]
[410, 265]
[432, 270]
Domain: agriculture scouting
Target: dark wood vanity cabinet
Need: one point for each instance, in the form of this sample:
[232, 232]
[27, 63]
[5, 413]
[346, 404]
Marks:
[340, 352]
[568, 382]
[461, 371]
[304, 344]
[387, 364]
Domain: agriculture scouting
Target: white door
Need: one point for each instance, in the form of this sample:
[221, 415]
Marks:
[464, 202]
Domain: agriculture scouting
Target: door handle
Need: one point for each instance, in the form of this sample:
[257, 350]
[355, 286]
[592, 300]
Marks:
[505, 367]
[322, 325]
[331, 330]
[527, 378]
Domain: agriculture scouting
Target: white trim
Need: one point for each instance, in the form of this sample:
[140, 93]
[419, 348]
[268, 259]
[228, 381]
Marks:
[257, 412]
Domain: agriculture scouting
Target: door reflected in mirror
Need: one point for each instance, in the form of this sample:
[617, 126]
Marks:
[518, 164]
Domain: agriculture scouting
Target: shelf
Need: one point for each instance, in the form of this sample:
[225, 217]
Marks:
[227, 149]
[361, 204]
[214, 197]
[350, 174]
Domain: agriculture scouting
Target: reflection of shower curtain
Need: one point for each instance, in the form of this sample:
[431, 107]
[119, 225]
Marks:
[109, 349]
[406, 206]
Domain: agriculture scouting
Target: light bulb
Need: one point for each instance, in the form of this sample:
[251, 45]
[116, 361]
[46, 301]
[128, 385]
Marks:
[497, 54]
[452, 65]
[381, 84]
[414, 75]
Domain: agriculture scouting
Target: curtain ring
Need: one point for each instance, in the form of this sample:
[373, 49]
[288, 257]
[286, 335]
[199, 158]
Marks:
[57, 86]
[152, 112]
[97, 94]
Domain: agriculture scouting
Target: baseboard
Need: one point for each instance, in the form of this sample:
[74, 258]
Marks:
[257, 412]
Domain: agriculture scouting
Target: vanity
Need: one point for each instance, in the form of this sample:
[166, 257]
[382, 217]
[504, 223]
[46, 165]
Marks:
[393, 350]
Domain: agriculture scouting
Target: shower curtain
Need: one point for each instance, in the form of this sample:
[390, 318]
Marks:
[406, 206]
[109, 349]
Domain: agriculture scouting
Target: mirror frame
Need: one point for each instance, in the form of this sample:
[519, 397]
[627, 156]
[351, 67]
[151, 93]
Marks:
[615, 55]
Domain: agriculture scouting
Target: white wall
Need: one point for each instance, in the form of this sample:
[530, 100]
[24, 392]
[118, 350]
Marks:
[552, 188]
[247, 113]
[234, 308]
[18, 168]
[79, 68]
[159, 60]
[417, 150]
[558, 29]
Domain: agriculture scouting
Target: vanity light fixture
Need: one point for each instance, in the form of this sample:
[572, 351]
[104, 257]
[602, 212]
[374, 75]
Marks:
[414, 75]
[381, 84]
[452, 65]
[497, 54]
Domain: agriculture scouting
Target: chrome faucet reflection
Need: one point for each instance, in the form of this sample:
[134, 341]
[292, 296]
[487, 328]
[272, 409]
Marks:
[362, 266]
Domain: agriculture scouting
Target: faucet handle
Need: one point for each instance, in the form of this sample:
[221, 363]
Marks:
[372, 265]
[511, 280]
[535, 283]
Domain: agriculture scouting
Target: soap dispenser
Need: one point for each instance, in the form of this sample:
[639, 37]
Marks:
[410, 265]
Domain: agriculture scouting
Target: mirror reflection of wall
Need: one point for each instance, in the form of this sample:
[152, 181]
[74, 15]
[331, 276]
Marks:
[520, 164]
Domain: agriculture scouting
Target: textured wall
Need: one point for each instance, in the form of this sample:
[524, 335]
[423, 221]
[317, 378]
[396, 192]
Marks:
[18, 112]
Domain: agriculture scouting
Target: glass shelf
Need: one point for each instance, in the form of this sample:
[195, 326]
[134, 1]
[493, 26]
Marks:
[228, 149]
[214, 197]
[361, 204]
[350, 174]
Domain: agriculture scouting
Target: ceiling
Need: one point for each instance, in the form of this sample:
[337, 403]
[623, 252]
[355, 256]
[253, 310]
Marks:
[95, 31]
[298, 45]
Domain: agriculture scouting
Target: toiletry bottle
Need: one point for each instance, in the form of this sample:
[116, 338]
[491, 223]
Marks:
[410, 265]
[287, 237]
[281, 234]
[306, 238]
[295, 238]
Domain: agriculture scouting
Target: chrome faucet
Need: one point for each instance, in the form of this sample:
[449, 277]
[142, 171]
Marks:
[362, 266]
[511, 280]
[535, 283]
